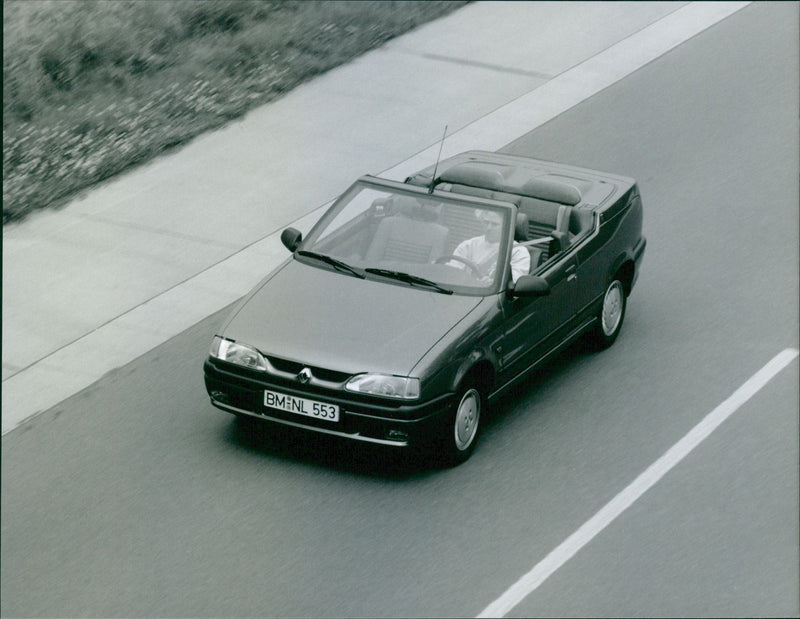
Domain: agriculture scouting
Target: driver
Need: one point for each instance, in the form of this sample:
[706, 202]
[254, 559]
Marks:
[483, 249]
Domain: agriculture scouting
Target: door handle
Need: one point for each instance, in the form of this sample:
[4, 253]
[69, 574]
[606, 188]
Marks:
[572, 274]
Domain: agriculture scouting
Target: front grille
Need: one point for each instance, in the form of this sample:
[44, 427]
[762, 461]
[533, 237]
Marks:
[294, 367]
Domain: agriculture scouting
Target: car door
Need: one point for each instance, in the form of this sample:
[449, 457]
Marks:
[534, 326]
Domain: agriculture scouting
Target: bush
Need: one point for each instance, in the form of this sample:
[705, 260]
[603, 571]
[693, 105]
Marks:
[90, 88]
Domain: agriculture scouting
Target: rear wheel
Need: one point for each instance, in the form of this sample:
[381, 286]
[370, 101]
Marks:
[610, 315]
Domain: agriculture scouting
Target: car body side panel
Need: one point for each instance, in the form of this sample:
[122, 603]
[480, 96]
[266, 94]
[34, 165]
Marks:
[473, 341]
[604, 253]
[534, 325]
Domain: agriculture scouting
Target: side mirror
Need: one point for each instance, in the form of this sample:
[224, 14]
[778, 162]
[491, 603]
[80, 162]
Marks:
[291, 238]
[530, 286]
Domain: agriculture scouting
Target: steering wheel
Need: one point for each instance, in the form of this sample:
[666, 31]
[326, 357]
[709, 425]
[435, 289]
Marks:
[472, 266]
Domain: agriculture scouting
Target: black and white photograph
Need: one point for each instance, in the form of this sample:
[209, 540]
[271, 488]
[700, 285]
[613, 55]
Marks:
[400, 308]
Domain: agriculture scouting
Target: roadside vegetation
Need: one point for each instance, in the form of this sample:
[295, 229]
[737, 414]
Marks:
[92, 88]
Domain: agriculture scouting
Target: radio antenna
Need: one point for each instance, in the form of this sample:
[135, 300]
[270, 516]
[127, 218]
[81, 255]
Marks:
[436, 166]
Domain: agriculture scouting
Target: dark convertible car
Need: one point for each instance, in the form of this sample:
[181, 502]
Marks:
[409, 307]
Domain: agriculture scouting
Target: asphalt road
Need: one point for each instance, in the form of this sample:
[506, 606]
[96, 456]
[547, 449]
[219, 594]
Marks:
[137, 498]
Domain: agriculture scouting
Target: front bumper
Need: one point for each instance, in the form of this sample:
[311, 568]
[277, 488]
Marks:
[362, 418]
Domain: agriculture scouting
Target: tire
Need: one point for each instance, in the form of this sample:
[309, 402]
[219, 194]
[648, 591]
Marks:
[460, 433]
[610, 315]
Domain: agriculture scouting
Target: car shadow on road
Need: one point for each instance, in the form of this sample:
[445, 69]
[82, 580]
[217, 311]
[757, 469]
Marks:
[316, 450]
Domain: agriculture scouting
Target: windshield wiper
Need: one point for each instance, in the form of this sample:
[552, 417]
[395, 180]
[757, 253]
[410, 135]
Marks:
[409, 279]
[337, 264]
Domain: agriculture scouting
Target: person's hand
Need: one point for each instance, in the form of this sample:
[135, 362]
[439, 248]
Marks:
[485, 278]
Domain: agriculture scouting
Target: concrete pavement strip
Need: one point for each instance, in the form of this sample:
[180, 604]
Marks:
[90, 287]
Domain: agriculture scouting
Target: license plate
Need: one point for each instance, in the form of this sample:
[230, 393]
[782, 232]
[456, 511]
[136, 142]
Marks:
[301, 406]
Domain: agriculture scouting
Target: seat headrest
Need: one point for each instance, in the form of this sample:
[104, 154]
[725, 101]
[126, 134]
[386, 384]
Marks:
[415, 209]
[473, 175]
[521, 228]
[405, 204]
[551, 191]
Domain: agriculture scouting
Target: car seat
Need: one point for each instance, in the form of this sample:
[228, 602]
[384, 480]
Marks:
[409, 235]
[521, 236]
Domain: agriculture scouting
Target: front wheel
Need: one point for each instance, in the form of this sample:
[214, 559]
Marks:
[460, 434]
[610, 316]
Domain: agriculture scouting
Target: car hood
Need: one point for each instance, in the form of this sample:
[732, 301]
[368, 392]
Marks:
[327, 319]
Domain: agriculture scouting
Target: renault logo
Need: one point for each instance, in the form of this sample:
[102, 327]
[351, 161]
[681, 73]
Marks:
[304, 376]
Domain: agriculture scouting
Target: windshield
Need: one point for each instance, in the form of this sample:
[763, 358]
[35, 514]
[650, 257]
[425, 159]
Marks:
[445, 244]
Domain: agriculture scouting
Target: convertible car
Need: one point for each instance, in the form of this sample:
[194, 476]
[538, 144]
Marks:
[409, 307]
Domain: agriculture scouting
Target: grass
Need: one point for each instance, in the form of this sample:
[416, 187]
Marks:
[92, 88]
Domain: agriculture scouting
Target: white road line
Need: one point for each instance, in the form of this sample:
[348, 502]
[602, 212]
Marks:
[592, 527]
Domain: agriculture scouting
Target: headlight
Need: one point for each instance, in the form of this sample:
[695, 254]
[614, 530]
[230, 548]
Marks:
[238, 353]
[384, 385]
